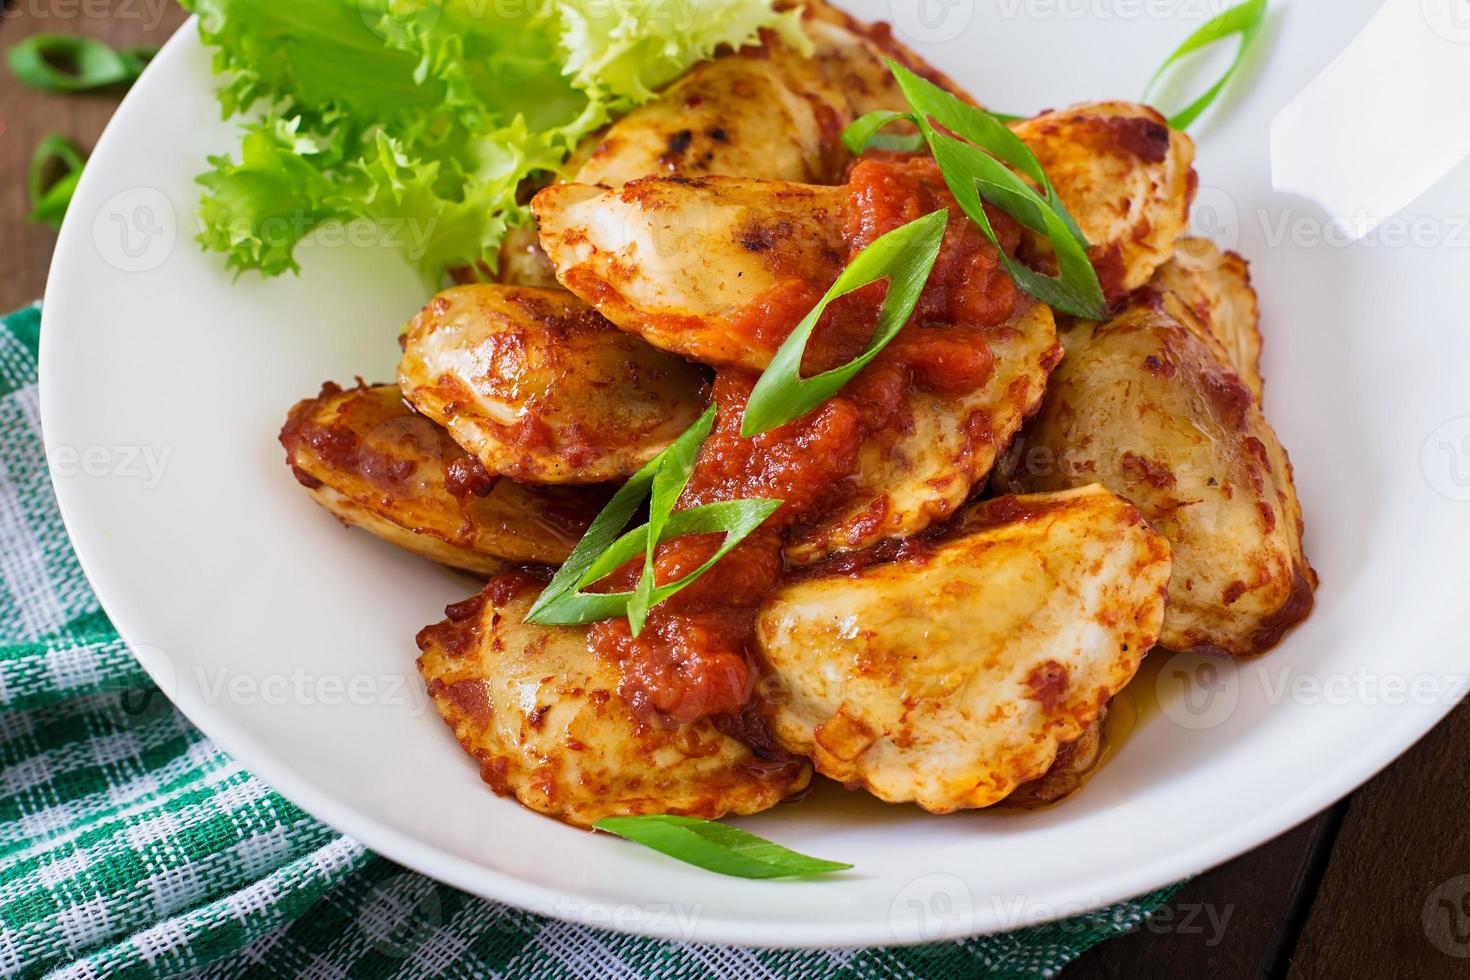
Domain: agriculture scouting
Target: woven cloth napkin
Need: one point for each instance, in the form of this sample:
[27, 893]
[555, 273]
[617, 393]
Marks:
[130, 846]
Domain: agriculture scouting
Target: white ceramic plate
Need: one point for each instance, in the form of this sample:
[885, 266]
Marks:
[290, 640]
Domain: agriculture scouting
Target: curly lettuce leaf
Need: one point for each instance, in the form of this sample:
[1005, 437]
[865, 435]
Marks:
[255, 210]
[625, 50]
[426, 116]
[403, 195]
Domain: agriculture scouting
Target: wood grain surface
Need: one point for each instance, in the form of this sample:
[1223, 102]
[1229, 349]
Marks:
[1378, 887]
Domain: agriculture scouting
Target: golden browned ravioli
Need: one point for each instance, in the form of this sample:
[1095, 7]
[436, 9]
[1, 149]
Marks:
[769, 111]
[521, 263]
[916, 474]
[541, 388]
[955, 674]
[852, 54]
[1148, 405]
[540, 713]
[1127, 179]
[679, 261]
[1075, 761]
[372, 461]
[1216, 286]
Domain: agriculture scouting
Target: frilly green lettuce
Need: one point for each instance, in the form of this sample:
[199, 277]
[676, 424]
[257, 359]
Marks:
[623, 50]
[428, 114]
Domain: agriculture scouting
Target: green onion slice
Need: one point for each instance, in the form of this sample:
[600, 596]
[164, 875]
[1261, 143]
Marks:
[985, 130]
[604, 548]
[982, 165]
[716, 847]
[669, 481]
[905, 257]
[974, 178]
[1007, 117]
[71, 63]
[865, 133]
[49, 202]
[1245, 19]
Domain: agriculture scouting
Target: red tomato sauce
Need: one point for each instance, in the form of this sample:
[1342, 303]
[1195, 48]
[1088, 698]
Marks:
[694, 657]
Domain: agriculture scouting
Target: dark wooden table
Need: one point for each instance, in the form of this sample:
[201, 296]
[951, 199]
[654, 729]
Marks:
[1372, 888]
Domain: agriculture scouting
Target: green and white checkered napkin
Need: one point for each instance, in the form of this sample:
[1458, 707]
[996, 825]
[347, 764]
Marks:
[131, 847]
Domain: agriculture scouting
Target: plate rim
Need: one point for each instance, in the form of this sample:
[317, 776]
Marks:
[1355, 769]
